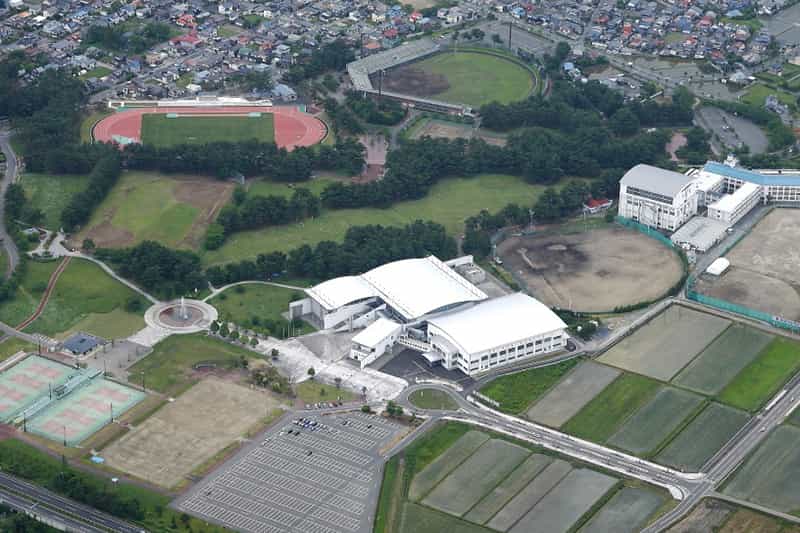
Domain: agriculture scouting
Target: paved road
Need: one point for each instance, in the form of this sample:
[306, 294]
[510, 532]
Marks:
[51, 505]
[10, 176]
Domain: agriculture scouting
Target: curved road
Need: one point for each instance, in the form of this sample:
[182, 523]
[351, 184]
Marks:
[10, 176]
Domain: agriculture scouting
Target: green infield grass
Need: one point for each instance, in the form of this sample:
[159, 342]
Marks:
[600, 418]
[159, 130]
[12, 345]
[762, 378]
[51, 193]
[476, 79]
[86, 296]
[168, 368]
[449, 202]
[172, 210]
[255, 304]
[432, 399]
[516, 392]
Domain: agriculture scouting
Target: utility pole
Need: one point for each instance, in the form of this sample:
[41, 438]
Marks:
[380, 84]
[509, 35]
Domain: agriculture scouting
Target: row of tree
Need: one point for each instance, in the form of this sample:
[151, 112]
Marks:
[329, 57]
[103, 177]
[363, 248]
[122, 39]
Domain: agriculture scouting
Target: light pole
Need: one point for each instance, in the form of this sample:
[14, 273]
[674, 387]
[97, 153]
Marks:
[144, 389]
[65, 436]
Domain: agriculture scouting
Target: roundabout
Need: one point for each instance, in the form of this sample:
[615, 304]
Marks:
[181, 316]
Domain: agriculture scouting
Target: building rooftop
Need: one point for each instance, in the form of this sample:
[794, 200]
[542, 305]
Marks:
[729, 202]
[336, 292]
[657, 180]
[764, 177]
[376, 332]
[81, 343]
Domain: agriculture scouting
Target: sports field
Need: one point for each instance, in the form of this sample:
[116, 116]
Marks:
[593, 271]
[51, 193]
[80, 414]
[719, 363]
[666, 343]
[162, 131]
[701, 439]
[173, 210]
[469, 78]
[572, 393]
[656, 420]
[449, 202]
[28, 380]
[762, 378]
[181, 436]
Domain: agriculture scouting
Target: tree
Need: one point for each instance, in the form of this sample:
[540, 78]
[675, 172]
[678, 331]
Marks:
[338, 381]
[624, 122]
[497, 39]
[214, 327]
[88, 246]
[312, 372]
[224, 331]
[253, 341]
[366, 409]
[274, 353]
[234, 336]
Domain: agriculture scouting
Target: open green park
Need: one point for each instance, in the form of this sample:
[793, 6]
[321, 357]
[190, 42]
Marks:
[757, 94]
[162, 130]
[255, 305]
[432, 399]
[52, 193]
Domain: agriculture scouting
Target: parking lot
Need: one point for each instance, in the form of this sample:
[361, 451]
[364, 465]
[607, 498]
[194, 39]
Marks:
[309, 474]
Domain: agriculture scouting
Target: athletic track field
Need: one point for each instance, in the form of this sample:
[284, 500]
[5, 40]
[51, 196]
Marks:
[292, 126]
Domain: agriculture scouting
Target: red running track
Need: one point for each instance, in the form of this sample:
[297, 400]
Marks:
[292, 126]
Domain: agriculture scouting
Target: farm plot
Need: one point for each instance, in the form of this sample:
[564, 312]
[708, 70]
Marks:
[650, 425]
[769, 477]
[606, 412]
[566, 503]
[627, 511]
[179, 437]
[502, 493]
[719, 363]
[667, 343]
[476, 476]
[572, 393]
[708, 515]
[762, 378]
[530, 495]
[701, 439]
[420, 519]
[446, 463]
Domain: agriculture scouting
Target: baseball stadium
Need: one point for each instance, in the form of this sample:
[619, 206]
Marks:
[166, 123]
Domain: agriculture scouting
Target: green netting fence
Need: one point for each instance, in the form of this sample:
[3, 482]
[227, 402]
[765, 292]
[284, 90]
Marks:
[641, 228]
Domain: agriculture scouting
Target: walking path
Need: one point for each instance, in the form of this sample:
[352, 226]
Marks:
[116, 276]
[46, 296]
[216, 291]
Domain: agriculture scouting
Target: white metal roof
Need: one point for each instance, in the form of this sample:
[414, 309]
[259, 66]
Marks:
[730, 202]
[376, 332]
[718, 267]
[656, 180]
[416, 287]
[336, 292]
[504, 320]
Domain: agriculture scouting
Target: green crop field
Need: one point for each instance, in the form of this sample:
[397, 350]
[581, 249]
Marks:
[419, 519]
[719, 363]
[476, 79]
[626, 512]
[432, 399]
[253, 304]
[87, 299]
[762, 378]
[654, 422]
[445, 462]
[600, 418]
[516, 392]
[449, 202]
[159, 130]
[168, 368]
[173, 210]
[51, 194]
[701, 439]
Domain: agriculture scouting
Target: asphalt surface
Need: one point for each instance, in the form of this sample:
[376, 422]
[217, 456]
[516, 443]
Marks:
[58, 508]
[10, 176]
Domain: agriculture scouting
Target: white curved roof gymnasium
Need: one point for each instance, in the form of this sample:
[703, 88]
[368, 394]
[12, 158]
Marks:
[412, 287]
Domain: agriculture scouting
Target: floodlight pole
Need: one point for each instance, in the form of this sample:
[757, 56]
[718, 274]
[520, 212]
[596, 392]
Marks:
[509, 35]
[65, 436]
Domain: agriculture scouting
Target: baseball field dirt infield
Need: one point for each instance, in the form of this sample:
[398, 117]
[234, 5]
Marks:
[181, 436]
[593, 271]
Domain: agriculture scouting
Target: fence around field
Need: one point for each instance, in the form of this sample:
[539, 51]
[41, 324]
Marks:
[646, 230]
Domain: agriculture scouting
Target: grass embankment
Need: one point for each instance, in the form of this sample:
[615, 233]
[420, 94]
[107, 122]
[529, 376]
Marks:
[51, 193]
[13, 345]
[516, 392]
[28, 293]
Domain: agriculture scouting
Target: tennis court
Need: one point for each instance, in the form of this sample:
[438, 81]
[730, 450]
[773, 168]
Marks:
[24, 383]
[81, 413]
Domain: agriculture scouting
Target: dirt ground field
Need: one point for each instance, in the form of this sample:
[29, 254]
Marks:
[592, 271]
[410, 79]
[752, 289]
[181, 436]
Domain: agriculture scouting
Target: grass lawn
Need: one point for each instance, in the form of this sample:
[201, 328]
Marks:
[172, 210]
[96, 72]
[516, 392]
[168, 368]
[432, 399]
[185, 79]
[28, 294]
[753, 23]
[13, 345]
[312, 392]
[228, 30]
[159, 130]
[675, 37]
[757, 93]
[25, 461]
[476, 79]
[51, 193]
[245, 304]
[599, 419]
[449, 202]
[86, 296]
[89, 122]
[764, 376]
